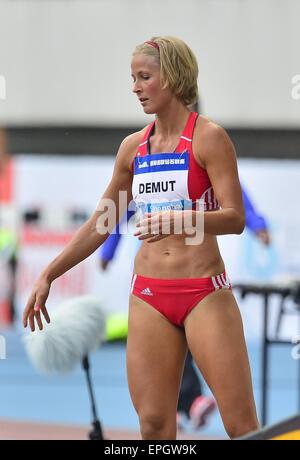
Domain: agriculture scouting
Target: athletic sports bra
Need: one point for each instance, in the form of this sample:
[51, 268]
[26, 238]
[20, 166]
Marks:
[171, 180]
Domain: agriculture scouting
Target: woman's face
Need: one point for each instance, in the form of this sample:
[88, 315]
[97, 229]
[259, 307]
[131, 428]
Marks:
[145, 72]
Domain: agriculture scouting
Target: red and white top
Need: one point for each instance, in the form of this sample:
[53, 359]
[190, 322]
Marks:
[171, 180]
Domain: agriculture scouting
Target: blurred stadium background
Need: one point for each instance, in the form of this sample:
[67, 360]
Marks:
[65, 105]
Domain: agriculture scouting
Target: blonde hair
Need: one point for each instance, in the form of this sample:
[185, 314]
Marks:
[178, 66]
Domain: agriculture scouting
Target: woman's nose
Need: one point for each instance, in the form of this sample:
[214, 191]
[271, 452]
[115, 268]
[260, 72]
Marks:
[136, 87]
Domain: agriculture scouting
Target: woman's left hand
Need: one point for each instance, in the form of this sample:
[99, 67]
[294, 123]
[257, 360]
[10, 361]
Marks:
[156, 226]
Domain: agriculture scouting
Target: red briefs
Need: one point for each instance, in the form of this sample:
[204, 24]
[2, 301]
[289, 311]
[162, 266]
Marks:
[175, 298]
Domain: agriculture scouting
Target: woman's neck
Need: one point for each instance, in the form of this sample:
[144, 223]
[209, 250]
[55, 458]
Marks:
[171, 121]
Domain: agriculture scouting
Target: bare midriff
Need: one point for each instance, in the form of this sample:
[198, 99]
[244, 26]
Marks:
[172, 258]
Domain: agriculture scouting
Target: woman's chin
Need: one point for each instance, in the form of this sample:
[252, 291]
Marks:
[148, 110]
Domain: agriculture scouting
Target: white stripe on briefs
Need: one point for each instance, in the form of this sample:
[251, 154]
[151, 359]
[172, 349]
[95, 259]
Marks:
[132, 283]
[227, 280]
[220, 281]
[223, 279]
[216, 286]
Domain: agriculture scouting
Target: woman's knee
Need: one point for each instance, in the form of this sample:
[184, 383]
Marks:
[156, 425]
[241, 426]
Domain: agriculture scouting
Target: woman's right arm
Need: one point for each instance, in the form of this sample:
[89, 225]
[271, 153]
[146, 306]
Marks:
[88, 238]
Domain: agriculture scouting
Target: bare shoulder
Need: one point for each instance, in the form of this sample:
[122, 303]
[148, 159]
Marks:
[210, 139]
[122, 173]
[133, 140]
[129, 147]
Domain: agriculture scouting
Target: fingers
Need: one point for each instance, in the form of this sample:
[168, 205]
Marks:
[145, 236]
[152, 237]
[35, 306]
[32, 314]
[28, 308]
[150, 234]
[149, 224]
[25, 318]
[157, 223]
[146, 229]
[151, 230]
[38, 317]
[40, 300]
[157, 238]
[35, 316]
[46, 315]
[31, 321]
[38, 320]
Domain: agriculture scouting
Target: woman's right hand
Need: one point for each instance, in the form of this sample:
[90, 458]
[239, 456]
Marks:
[36, 304]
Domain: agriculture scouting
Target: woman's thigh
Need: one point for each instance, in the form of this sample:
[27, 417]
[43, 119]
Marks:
[156, 350]
[215, 336]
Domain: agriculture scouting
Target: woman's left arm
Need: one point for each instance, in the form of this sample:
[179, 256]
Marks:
[217, 153]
